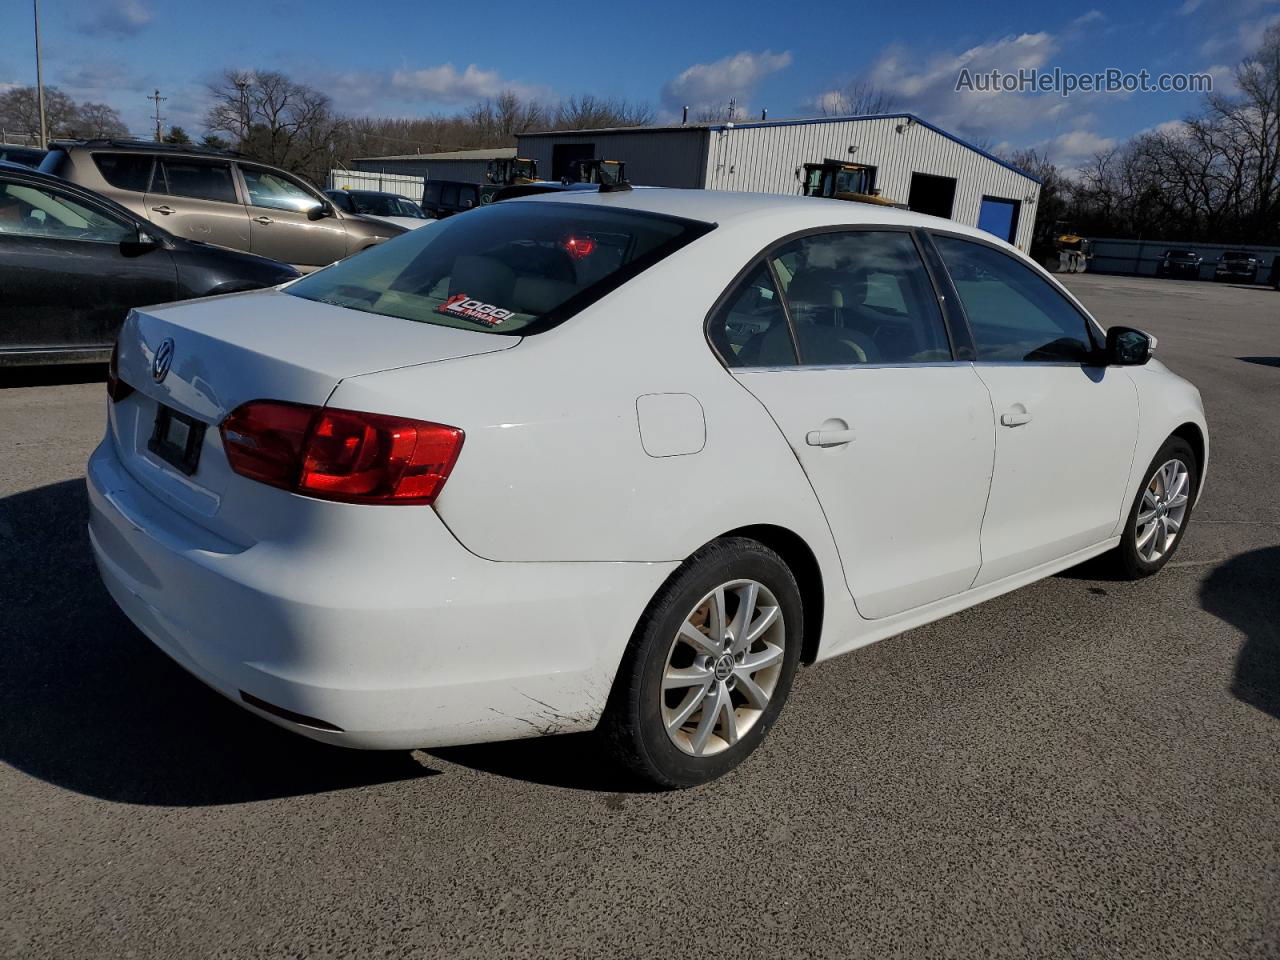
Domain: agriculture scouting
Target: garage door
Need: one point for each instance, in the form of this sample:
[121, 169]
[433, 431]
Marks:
[1000, 217]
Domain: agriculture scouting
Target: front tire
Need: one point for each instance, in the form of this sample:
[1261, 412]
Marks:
[1161, 510]
[709, 666]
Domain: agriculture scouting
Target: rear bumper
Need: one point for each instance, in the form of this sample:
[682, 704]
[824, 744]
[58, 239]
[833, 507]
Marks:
[446, 649]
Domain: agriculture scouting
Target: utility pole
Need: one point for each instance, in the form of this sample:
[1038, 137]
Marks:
[44, 127]
[243, 86]
[158, 99]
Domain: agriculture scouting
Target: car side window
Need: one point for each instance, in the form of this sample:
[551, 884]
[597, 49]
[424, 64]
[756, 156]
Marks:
[274, 191]
[196, 179]
[125, 171]
[1015, 315]
[861, 296]
[750, 329]
[449, 194]
[39, 212]
[341, 200]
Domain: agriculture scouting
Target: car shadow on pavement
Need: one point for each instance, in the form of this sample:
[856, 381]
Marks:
[87, 703]
[1262, 361]
[1245, 592]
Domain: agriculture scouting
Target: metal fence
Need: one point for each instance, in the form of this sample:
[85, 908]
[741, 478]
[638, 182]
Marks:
[1140, 257]
[402, 183]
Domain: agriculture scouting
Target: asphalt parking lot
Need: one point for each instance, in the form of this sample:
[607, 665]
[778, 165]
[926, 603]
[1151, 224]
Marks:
[1081, 768]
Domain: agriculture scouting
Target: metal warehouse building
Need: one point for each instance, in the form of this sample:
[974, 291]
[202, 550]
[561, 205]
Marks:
[469, 166]
[914, 163]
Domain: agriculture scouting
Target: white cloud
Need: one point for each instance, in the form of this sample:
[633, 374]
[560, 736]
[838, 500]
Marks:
[1093, 16]
[120, 18]
[712, 84]
[447, 84]
[1073, 148]
[928, 86]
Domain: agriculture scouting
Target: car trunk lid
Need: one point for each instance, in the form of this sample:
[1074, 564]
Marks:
[204, 358]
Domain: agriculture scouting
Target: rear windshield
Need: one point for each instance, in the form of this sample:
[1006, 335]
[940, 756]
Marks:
[512, 269]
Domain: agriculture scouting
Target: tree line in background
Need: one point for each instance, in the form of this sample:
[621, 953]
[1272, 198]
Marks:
[1214, 176]
[270, 117]
[64, 117]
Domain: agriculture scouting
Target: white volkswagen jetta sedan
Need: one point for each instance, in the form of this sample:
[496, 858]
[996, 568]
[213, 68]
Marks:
[619, 460]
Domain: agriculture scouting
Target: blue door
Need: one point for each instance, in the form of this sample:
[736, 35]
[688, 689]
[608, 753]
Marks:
[999, 217]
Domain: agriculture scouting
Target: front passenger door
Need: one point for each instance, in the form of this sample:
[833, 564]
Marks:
[69, 270]
[279, 224]
[841, 337]
[1065, 426]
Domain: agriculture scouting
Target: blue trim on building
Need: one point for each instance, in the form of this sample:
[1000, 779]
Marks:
[879, 116]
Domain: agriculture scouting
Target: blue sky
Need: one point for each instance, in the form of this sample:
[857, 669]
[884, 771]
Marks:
[401, 59]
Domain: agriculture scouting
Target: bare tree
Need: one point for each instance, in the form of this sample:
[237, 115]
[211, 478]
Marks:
[857, 98]
[276, 120]
[98, 120]
[587, 111]
[20, 112]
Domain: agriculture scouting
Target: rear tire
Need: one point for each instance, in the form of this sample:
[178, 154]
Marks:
[701, 682]
[1161, 510]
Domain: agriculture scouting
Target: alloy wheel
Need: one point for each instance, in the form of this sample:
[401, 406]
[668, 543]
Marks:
[1163, 510]
[722, 667]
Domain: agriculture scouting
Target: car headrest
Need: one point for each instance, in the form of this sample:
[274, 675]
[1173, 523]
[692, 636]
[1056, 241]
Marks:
[483, 278]
[815, 287]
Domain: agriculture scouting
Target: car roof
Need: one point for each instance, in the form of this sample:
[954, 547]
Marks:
[725, 207]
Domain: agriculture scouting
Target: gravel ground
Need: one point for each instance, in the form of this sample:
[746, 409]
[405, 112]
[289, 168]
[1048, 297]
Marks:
[1081, 768]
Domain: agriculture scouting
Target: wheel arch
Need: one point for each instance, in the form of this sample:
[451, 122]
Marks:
[1194, 436]
[800, 558]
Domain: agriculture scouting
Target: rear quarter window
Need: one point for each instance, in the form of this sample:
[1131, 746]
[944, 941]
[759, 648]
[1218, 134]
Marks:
[510, 269]
[125, 171]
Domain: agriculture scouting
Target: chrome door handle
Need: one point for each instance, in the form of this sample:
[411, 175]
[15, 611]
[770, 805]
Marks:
[163, 208]
[263, 220]
[1015, 416]
[829, 438]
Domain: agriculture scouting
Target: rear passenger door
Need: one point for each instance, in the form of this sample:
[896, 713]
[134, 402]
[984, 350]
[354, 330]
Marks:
[197, 199]
[841, 336]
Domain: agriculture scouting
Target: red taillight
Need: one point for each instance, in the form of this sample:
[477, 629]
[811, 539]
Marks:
[340, 454]
[117, 389]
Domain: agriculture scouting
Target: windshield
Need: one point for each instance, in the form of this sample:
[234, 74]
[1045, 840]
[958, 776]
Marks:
[512, 269]
[376, 204]
[407, 208]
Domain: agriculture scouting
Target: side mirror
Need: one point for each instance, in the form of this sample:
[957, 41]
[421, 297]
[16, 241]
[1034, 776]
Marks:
[1128, 347]
[141, 242]
[319, 211]
[468, 204]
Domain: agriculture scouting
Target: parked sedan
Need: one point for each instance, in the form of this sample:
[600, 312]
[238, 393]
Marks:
[619, 461]
[1179, 263]
[72, 263]
[1237, 265]
[378, 205]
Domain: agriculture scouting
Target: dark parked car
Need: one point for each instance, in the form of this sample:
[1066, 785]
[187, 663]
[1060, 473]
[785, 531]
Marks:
[1179, 263]
[1237, 265]
[72, 263]
[26, 156]
[444, 198]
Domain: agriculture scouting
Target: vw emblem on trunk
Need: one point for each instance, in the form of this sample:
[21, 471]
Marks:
[163, 360]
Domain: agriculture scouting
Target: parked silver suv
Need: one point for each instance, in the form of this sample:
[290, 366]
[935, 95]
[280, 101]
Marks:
[218, 197]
